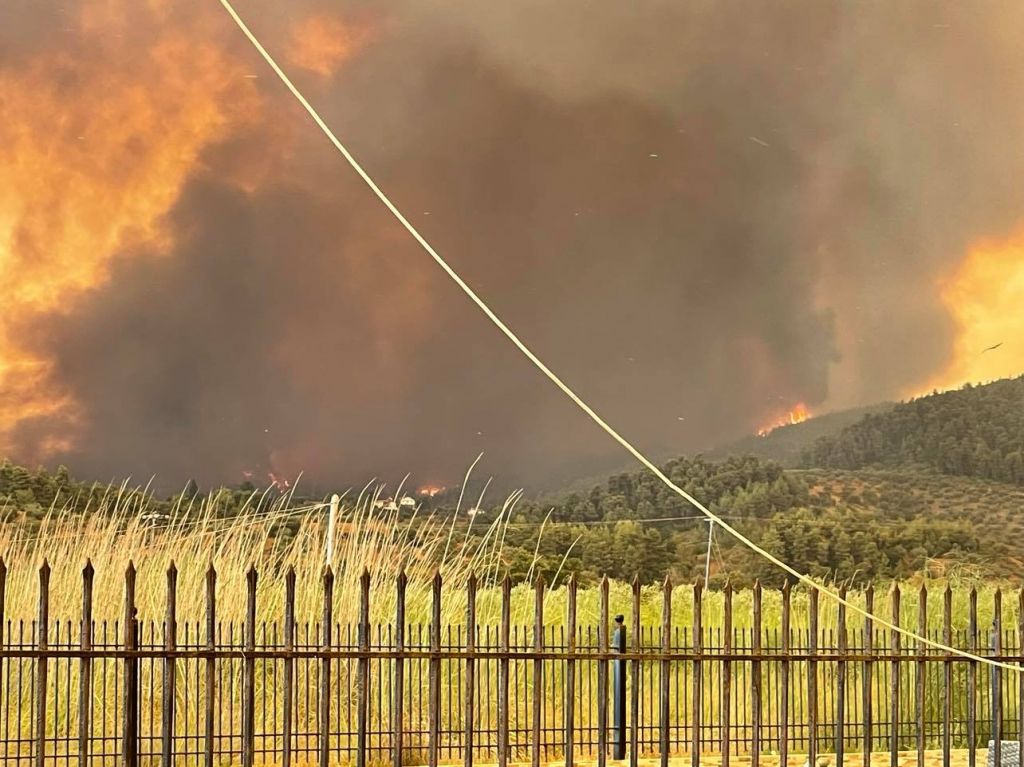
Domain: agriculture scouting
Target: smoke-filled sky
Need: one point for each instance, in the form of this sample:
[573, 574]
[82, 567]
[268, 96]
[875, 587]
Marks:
[701, 214]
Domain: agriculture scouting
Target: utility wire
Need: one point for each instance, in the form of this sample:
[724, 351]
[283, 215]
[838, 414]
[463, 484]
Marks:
[543, 368]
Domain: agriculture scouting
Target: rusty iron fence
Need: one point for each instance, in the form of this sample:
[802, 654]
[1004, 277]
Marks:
[345, 690]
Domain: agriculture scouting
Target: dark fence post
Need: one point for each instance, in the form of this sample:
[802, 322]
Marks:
[997, 680]
[619, 690]
[130, 734]
[249, 672]
[211, 664]
[85, 667]
[170, 645]
[44, 623]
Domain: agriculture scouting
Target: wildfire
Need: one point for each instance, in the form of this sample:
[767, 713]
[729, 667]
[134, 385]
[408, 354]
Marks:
[430, 490]
[984, 295]
[798, 414]
[322, 43]
[97, 142]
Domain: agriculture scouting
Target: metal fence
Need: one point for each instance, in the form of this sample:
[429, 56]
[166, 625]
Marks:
[339, 692]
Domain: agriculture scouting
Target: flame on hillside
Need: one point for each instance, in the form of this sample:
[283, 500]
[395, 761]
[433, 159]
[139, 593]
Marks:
[798, 414]
[430, 490]
[984, 296]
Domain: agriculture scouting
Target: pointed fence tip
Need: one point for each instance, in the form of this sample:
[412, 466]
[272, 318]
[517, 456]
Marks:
[289, 574]
[436, 580]
[635, 583]
[87, 571]
[539, 581]
[172, 569]
[402, 577]
[130, 570]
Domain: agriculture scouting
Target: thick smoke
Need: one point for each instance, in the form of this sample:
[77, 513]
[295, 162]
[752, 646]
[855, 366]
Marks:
[699, 213]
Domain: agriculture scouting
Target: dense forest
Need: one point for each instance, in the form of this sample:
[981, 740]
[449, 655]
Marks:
[976, 431]
[928, 486]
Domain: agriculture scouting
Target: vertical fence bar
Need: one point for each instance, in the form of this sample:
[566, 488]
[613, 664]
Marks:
[503, 661]
[1020, 678]
[362, 669]
[170, 645]
[211, 662]
[130, 729]
[947, 680]
[3, 603]
[755, 679]
[972, 678]
[840, 724]
[570, 673]
[784, 677]
[869, 644]
[398, 725]
[997, 678]
[894, 680]
[698, 673]
[249, 672]
[812, 678]
[726, 691]
[619, 689]
[634, 701]
[85, 665]
[602, 674]
[41, 663]
[922, 648]
[538, 669]
[288, 699]
[434, 691]
[470, 681]
[666, 648]
[324, 700]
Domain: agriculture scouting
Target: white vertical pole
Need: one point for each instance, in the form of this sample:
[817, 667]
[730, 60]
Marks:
[331, 522]
[707, 559]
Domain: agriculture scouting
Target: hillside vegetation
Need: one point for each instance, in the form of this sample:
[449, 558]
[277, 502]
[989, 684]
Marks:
[930, 488]
[976, 431]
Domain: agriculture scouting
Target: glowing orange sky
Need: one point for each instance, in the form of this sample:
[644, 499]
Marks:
[985, 297]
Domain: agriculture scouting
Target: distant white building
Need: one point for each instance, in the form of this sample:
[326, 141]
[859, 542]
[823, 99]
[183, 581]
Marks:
[407, 502]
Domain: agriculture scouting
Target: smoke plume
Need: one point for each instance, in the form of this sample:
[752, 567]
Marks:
[701, 214]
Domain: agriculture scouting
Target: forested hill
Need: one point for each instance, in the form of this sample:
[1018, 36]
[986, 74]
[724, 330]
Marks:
[976, 431]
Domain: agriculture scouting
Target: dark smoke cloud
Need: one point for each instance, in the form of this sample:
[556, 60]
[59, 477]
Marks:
[699, 213]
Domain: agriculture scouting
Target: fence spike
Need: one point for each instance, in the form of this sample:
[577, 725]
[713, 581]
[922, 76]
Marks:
[42, 663]
[602, 673]
[169, 681]
[130, 731]
[755, 678]
[997, 677]
[570, 672]
[324, 707]
[85, 664]
[503, 668]
[812, 677]
[698, 674]
[840, 723]
[972, 679]
[726, 693]
[538, 669]
[249, 672]
[664, 713]
[398, 697]
[894, 679]
[469, 694]
[922, 648]
[288, 697]
[634, 703]
[784, 668]
[211, 664]
[1020, 679]
[363, 669]
[434, 691]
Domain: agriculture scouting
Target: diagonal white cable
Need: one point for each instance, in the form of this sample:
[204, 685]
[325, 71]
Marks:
[539, 364]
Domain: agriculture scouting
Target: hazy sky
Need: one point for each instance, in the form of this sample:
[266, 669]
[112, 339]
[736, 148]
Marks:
[699, 213]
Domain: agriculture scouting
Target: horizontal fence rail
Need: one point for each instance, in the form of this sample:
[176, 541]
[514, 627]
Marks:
[348, 690]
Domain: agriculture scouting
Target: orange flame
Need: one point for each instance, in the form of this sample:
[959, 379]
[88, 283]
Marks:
[798, 414]
[322, 43]
[984, 295]
[431, 490]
